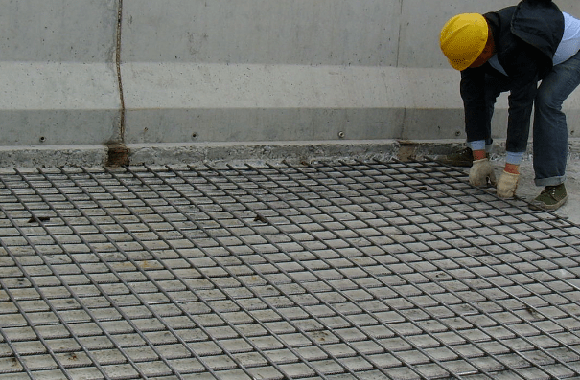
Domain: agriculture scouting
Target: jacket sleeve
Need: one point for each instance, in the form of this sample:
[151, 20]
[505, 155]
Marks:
[472, 90]
[523, 90]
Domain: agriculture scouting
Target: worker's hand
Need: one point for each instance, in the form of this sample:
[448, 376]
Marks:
[480, 172]
[507, 185]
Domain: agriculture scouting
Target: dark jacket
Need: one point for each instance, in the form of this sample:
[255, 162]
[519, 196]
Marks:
[526, 38]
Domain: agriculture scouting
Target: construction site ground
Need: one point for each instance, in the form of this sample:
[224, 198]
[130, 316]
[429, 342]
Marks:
[343, 269]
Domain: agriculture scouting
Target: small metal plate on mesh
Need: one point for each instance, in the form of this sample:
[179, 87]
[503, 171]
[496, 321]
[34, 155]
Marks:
[337, 270]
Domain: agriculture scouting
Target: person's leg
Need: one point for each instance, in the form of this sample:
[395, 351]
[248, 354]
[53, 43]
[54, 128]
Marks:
[551, 133]
[550, 126]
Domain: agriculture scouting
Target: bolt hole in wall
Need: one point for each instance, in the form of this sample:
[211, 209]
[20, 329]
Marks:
[42, 139]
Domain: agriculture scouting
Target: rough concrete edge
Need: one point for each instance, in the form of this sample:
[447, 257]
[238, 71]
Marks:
[200, 153]
[308, 151]
[292, 152]
[52, 156]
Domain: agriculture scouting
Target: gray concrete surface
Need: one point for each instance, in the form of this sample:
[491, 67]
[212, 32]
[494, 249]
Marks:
[57, 73]
[335, 270]
[204, 72]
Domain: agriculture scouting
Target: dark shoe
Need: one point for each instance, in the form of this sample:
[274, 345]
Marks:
[551, 199]
[462, 158]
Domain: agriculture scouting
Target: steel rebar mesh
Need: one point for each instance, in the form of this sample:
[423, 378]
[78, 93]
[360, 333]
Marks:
[337, 270]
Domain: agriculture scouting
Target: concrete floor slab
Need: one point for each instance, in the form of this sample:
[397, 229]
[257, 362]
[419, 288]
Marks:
[334, 270]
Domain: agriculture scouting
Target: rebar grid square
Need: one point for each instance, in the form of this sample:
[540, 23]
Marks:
[338, 270]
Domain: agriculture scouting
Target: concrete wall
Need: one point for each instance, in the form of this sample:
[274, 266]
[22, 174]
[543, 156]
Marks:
[57, 74]
[199, 72]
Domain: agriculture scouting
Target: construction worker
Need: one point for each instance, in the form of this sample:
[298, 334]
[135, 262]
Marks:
[513, 49]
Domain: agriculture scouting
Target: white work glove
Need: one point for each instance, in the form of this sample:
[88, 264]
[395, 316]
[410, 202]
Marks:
[507, 185]
[480, 172]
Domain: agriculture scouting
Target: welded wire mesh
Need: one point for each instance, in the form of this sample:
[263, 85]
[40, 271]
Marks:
[337, 270]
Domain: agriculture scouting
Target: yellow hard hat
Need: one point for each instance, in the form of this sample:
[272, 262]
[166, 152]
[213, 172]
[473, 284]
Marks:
[463, 38]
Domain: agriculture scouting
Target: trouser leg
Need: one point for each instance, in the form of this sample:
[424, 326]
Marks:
[550, 126]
